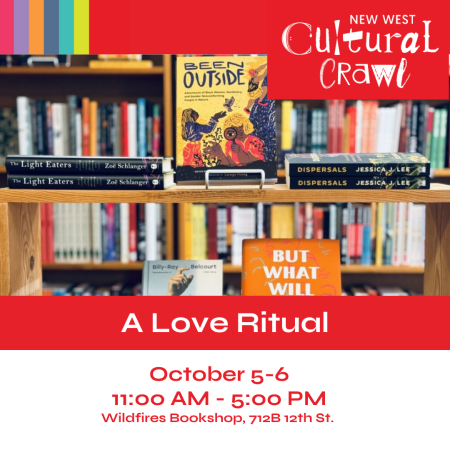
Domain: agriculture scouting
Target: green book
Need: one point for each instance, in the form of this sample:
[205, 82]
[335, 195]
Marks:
[435, 139]
[442, 139]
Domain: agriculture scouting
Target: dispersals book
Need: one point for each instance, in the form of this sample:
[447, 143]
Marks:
[224, 119]
[88, 165]
[360, 164]
[178, 277]
[138, 182]
[358, 182]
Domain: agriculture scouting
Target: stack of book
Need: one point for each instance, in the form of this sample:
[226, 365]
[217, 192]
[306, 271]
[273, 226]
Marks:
[81, 127]
[80, 233]
[358, 171]
[72, 172]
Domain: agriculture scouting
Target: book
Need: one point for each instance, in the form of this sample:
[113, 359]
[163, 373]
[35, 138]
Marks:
[364, 164]
[99, 165]
[156, 182]
[358, 182]
[224, 119]
[9, 143]
[182, 277]
[291, 267]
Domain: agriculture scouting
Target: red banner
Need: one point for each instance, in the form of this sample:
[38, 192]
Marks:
[224, 323]
[353, 50]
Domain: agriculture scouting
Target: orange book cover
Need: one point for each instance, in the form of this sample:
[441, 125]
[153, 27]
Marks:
[291, 267]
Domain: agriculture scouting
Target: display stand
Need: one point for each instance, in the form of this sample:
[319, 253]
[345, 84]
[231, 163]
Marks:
[20, 267]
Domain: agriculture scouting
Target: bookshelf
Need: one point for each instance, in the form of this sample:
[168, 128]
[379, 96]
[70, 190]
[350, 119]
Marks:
[20, 246]
[56, 71]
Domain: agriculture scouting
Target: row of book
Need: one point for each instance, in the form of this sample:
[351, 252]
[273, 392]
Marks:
[380, 234]
[354, 290]
[99, 232]
[365, 127]
[81, 127]
[85, 289]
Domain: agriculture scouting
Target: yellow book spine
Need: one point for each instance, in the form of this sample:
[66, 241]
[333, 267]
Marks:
[93, 128]
[286, 130]
[188, 231]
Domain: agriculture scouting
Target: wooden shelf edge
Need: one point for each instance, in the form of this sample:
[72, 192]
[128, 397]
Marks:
[439, 193]
[157, 70]
[228, 268]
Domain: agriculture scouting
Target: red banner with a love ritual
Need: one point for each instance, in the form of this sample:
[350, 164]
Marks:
[224, 323]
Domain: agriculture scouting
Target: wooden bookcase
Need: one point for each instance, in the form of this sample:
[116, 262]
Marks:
[102, 85]
[20, 243]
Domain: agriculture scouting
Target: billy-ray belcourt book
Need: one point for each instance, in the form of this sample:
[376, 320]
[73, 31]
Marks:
[181, 277]
[291, 267]
[224, 120]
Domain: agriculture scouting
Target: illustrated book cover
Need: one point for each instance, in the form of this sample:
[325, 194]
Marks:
[181, 277]
[291, 267]
[224, 119]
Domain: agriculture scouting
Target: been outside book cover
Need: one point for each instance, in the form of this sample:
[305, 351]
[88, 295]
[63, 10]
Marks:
[291, 267]
[224, 119]
[180, 277]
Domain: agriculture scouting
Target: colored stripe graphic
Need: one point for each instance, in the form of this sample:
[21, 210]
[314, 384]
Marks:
[51, 27]
[36, 30]
[21, 27]
[81, 26]
[66, 27]
[7, 27]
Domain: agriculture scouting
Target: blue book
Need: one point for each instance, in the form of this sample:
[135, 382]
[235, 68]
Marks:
[366, 257]
[142, 127]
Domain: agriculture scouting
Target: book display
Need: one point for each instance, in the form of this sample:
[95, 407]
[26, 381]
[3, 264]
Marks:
[95, 153]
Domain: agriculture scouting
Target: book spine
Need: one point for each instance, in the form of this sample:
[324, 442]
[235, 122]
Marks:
[381, 221]
[151, 232]
[442, 138]
[221, 232]
[124, 113]
[103, 129]
[57, 126]
[33, 121]
[141, 231]
[72, 111]
[96, 214]
[374, 182]
[117, 118]
[22, 124]
[132, 130]
[104, 231]
[41, 128]
[117, 226]
[141, 127]
[133, 243]
[435, 139]
[93, 126]
[85, 106]
[111, 232]
[156, 131]
[110, 130]
[344, 234]
[125, 233]
[78, 134]
[49, 127]
[16, 181]
[212, 232]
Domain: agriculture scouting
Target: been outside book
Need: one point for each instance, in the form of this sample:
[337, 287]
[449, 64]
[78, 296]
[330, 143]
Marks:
[178, 277]
[224, 119]
[291, 267]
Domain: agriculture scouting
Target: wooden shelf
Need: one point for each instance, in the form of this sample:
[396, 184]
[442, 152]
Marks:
[439, 193]
[157, 70]
[228, 268]
[2, 169]
[441, 173]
